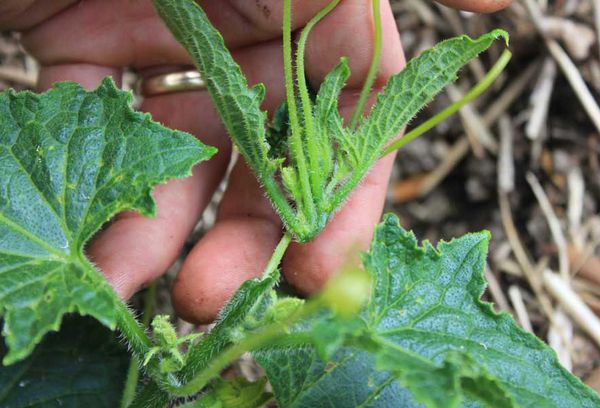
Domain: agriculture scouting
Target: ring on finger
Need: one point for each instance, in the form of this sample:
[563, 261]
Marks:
[182, 81]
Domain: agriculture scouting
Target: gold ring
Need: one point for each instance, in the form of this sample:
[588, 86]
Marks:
[172, 82]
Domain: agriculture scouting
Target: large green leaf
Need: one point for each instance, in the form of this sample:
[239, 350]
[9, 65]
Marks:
[82, 365]
[426, 326]
[69, 161]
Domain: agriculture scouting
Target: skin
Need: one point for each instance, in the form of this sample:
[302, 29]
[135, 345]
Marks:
[88, 40]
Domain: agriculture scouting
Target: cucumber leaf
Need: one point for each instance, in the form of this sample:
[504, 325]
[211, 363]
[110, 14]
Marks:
[84, 364]
[426, 329]
[414, 87]
[69, 161]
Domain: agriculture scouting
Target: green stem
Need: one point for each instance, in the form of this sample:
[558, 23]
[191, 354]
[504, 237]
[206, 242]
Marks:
[135, 334]
[375, 61]
[133, 373]
[264, 336]
[296, 137]
[309, 125]
[272, 333]
[280, 203]
[483, 85]
[277, 254]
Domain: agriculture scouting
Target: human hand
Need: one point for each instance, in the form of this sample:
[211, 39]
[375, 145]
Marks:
[86, 41]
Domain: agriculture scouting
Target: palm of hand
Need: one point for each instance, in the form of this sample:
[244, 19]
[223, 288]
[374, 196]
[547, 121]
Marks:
[86, 41]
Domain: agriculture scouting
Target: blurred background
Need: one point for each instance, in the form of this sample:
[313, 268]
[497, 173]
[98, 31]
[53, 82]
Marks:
[523, 161]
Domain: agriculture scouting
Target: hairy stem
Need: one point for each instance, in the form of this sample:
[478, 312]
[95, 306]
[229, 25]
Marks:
[132, 330]
[278, 254]
[375, 61]
[280, 203]
[133, 373]
[296, 137]
[273, 333]
[263, 336]
[483, 85]
[309, 125]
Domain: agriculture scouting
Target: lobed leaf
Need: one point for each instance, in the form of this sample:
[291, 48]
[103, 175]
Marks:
[69, 161]
[427, 330]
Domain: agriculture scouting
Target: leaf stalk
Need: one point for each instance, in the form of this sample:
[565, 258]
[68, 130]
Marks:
[372, 74]
[269, 334]
[133, 372]
[310, 136]
[296, 145]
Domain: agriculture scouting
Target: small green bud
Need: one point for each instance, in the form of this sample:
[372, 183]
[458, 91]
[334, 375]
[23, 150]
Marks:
[163, 331]
[283, 309]
[347, 292]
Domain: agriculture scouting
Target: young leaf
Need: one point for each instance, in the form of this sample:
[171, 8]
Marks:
[251, 298]
[237, 104]
[82, 365]
[69, 161]
[310, 168]
[414, 87]
[427, 327]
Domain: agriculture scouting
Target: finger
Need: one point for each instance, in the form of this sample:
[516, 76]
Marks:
[236, 249]
[309, 266]
[114, 32]
[479, 6]
[21, 14]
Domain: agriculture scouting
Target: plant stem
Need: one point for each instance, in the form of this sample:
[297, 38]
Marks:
[269, 334]
[135, 334]
[277, 254]
[280, 203]
[483, 85]
[375, 61]
[309, 125]
[133, 373]
[263, 336]
[296, 137]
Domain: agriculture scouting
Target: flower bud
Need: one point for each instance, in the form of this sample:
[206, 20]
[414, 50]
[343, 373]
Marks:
[347, 292]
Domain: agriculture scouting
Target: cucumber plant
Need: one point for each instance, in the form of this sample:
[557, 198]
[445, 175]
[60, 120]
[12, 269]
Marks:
[406, 329]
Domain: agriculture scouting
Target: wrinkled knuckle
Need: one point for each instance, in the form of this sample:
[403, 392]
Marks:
[256, 17]
[10, 9]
